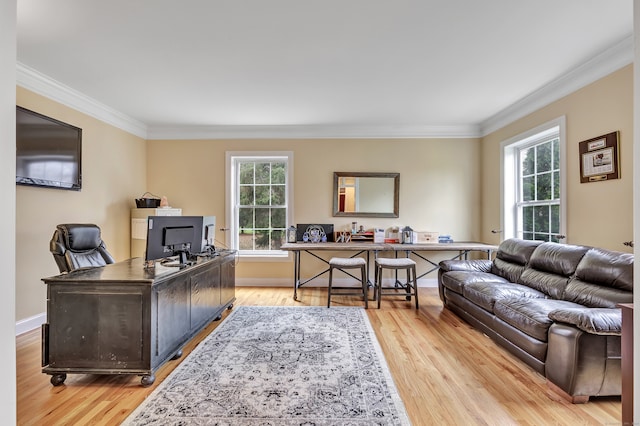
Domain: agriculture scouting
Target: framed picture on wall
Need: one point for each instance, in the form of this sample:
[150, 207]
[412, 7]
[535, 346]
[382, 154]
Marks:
[599, 158]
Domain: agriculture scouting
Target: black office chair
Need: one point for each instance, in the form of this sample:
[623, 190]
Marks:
[76, 245]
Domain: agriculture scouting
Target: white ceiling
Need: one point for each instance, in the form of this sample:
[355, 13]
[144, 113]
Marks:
[331, 68]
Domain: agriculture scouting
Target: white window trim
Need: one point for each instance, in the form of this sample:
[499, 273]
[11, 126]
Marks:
[509, 180]
[231, 224]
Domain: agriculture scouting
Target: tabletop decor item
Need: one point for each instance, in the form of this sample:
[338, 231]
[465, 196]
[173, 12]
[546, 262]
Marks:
[316, 234]
[292, 234]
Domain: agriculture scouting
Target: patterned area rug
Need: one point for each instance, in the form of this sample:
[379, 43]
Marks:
[273, 366]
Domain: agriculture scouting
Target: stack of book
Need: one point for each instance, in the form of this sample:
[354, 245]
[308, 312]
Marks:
[445, 239]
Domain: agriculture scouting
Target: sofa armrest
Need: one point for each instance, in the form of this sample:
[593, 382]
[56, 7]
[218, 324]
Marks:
[581, 363]
[477, 265]
[603, 321]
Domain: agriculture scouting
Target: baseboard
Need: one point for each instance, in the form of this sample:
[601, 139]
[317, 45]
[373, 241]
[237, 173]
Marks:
[31, 323]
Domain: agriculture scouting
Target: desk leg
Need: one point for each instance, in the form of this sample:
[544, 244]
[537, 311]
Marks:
[296, 273]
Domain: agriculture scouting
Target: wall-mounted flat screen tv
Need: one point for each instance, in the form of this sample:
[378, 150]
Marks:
[48, 151]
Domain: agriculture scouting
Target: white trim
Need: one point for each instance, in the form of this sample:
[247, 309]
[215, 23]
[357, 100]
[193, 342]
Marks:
[603, 64]
[46, 86]
[611, 60]
[311, 132]
[508, 168]
[230, 177]
[30, 323]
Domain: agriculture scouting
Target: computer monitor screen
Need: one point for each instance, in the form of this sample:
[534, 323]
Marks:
[169, 236]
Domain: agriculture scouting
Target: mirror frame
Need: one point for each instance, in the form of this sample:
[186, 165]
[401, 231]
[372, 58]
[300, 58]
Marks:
[396, 194]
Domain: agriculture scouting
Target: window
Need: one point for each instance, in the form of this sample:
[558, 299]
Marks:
[533, 184]
[260, 202]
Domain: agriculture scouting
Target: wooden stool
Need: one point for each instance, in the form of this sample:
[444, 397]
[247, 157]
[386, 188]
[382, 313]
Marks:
[342, 263]
[396, 264]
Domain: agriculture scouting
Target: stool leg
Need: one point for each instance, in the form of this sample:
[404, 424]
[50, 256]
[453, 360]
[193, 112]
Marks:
[408, 287]
[379, 284]
[365, 292]
[415, 284]
[329, 289]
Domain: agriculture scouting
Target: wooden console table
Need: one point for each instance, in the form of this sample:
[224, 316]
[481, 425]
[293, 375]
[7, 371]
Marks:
[125, 319]
[462, 249]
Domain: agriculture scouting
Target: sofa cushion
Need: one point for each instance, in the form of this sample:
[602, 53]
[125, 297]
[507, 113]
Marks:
[512, 257]
[550, 267]
[531, 316]
[514, 250]
[457, 280]
[485, 293]
[604, 321]
[595, 296]
[472, 265]
[603, 278]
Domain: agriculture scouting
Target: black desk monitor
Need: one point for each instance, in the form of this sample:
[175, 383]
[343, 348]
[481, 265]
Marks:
[169, 236]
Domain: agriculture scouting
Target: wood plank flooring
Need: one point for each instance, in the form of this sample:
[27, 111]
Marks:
[447, 373]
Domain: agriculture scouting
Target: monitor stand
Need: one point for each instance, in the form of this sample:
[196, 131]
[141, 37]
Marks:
[181, 262]
[182, 257]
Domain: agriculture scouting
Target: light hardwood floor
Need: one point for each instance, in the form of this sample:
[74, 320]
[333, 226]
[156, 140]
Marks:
[447, 373]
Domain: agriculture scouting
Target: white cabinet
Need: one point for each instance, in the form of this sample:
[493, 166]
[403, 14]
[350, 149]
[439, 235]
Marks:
[139, 226]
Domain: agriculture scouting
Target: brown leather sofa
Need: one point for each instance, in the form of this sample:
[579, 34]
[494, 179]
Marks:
[552, 305]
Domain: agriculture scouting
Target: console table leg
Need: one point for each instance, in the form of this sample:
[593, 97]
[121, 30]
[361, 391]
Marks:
[147, 380]
[58, 379]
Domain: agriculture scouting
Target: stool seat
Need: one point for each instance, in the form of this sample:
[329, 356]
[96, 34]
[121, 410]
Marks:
[341, 263]
[400, 262]
[408, 289]
[350, 262]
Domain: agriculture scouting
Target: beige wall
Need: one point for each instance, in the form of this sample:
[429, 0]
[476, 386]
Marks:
[439, 189]
[113, 174]
[439, 186]
[598, 214]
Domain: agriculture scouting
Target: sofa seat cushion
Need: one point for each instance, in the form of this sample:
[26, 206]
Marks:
[531, 316]
[485, 293]
[457, 280]
[604, 321]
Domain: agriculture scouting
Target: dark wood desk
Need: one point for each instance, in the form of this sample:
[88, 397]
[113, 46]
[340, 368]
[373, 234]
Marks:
[125, 319]
[461, 250]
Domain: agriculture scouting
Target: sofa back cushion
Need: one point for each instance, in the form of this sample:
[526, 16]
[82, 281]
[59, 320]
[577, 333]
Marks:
[603, 279]
[512, 257]
[550, 266]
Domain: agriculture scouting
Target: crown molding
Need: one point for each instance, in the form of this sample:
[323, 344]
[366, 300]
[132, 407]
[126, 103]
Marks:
[596, 68]
[611, 60]
[310, 132]
[41, 84]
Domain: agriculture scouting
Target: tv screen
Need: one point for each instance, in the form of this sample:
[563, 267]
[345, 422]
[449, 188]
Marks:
[48, 151]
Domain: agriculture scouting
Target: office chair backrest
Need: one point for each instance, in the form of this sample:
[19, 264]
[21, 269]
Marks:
[75, 246]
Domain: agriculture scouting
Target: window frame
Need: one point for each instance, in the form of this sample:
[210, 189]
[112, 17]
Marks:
[233, 158]
[510, 175]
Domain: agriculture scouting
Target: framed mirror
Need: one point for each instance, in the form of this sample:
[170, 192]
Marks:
[366, 194]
